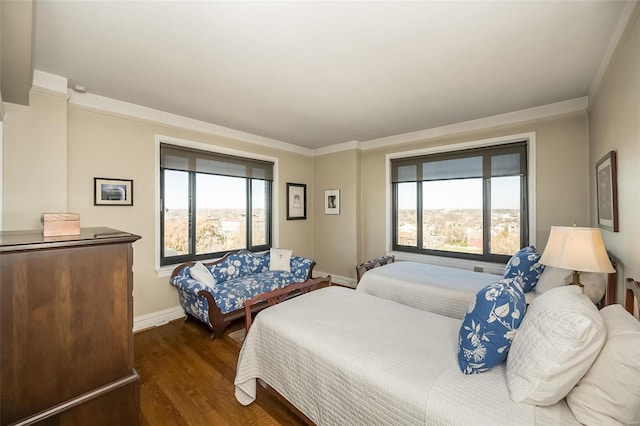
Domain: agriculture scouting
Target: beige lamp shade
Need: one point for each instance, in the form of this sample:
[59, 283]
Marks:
[576, 248]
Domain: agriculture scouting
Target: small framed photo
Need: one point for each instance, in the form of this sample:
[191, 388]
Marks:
[607, 192]
[332, 201]
[296, 201]
[112, 192]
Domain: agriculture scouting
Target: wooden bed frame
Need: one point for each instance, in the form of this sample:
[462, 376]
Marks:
[274, 297]
[218, 320]
[367, 266]
[632, 290]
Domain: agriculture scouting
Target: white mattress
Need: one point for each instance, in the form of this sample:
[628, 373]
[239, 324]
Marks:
[445, 291]
[347, 358]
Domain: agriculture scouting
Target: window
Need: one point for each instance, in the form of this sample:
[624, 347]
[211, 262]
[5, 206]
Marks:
[212, 204]
[469, 204]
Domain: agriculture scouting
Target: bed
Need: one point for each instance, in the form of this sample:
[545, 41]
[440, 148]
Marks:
[338, 356]
[346, 357]
[439, 289]
[443, 290]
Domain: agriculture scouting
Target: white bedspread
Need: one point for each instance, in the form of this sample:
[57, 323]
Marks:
[445, 291]
[347, 358]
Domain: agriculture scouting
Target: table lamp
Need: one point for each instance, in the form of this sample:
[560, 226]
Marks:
[577, 249]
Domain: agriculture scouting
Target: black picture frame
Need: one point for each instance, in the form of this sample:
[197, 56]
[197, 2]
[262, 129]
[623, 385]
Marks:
[296, 201]
[607, 192]
[112, 192]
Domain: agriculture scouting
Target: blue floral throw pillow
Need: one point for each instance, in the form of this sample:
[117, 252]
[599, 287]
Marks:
[525, 264]
[490, 324]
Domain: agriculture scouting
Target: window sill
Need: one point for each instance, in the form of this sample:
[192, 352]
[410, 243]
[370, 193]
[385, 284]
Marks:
[165, 271]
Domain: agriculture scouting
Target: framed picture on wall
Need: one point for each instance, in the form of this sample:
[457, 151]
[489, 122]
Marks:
[296, 201]
[112, 192]
[607, 192]
[332, 201]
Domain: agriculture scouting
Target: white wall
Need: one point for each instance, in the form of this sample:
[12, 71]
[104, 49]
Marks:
[562, 185]
[35, 160]
[53, 150]
[109, 145]
[614, 125]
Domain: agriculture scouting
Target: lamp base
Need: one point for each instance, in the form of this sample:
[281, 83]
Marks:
[576, 279]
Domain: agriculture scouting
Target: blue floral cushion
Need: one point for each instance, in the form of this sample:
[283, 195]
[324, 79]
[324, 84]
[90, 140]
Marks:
[490, 324]
[258, 263]
[525, 264]
[234, 266]
[230, 295]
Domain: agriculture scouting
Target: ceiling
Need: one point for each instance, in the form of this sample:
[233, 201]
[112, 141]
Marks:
[316, 74]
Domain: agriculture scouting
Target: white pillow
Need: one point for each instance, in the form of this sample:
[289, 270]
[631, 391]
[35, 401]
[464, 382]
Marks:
[280, 260]
[558, 340]
[595, 285]
[553, 277]
[610, 391]
[199, 272]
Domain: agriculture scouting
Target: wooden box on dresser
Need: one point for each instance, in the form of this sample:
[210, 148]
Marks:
[66, 320]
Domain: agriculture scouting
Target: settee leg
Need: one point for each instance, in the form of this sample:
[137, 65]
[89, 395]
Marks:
[217, 330]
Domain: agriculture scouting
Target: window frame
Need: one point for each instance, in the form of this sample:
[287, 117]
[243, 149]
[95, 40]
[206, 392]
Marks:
[489, 262]
[164, 265]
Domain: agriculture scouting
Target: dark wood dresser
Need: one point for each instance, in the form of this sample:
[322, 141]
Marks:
[66, 320]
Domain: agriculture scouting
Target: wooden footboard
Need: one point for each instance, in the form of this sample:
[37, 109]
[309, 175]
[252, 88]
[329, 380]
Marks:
[271, 298]
[366, 266]
[220, 321]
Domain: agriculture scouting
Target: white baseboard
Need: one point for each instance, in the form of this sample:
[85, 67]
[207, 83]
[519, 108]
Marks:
[155, 319]
[338, 279]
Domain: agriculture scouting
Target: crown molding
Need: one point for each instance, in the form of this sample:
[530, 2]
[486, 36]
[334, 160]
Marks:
[103, 103]
[631, 9]
[55, 83]
[50, 82]
[531, 114]
[345, 146]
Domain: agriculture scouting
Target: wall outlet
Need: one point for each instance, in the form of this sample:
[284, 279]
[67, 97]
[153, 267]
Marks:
[478, 269]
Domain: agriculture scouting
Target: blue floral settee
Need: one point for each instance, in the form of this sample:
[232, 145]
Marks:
[238, 276]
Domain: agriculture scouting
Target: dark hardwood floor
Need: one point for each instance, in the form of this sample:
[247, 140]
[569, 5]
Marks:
[187, 379]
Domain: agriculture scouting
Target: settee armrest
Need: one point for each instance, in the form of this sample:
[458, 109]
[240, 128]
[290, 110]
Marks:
[302, 267]
[184, 282]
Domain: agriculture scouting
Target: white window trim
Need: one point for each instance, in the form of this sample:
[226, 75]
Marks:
[450, 261]
[165, 271]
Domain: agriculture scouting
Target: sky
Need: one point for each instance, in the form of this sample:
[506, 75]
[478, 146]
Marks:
[226, 192]
[462, 194]
[211, 191]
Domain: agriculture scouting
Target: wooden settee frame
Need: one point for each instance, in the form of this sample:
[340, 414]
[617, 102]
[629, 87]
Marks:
[218, 320]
